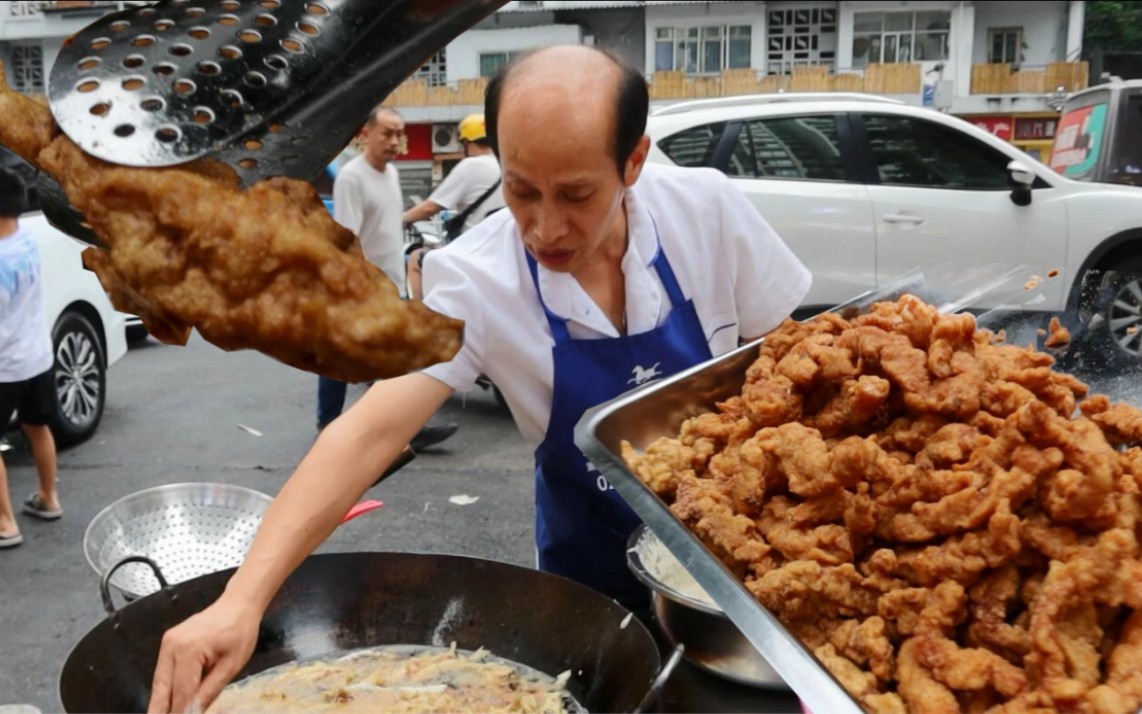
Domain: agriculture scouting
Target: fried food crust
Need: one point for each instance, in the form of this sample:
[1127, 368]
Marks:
[265, 268]
[930, 512]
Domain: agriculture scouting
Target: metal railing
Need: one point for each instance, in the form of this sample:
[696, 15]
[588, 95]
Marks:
[987, 78]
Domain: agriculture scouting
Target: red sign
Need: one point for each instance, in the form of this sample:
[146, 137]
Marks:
[1035, 129]
[999, 126]
[417, 145]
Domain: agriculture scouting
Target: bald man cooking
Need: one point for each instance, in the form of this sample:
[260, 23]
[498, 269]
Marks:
[604, 273]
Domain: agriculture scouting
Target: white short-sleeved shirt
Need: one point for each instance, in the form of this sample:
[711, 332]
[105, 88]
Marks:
[369, 203]
[470, 179]
[742, 279]
[25, 344]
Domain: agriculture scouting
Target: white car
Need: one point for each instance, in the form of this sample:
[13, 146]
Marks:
[865, 189]
[88, 335]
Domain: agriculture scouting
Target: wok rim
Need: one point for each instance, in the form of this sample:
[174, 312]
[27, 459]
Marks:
[658, 661]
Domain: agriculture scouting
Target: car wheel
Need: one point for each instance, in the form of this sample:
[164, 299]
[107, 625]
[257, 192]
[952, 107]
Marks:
[1113, 311]
[80, 376]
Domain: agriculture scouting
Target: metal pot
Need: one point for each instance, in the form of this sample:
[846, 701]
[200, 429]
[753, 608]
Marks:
[346, 601]
[712, 641]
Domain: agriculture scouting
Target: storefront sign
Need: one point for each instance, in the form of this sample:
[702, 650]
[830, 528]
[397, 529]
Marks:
[1035, 129]
[998, 126]
[417, 145]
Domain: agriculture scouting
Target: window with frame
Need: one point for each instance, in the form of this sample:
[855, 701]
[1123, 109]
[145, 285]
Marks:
[1006, 45]
[702, 50]
[24, 9]
[26, 61]
[914, 152]
[695, 146]
[900, 37]
[804, 148]
[435, 71]
[490, 62]
[800, 37]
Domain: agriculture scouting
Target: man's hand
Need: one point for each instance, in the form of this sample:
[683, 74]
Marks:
[200, 657]
[421, 212]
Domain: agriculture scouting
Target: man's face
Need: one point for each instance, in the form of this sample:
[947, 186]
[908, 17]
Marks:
[561, 183]
[383, 138]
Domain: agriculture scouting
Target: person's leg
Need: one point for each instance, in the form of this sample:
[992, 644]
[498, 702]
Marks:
[44, 452]
[330, 400]
[10, 394]
[8, 526]
[415, 259]
[35, 412]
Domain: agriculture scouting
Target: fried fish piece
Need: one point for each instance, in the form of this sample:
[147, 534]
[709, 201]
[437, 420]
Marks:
[861, 684]
[807, 590]
[663, 465]
[703, 505]
[1121, 423]
[1122, 691]
[828, 544]
[1059, 335]
[992, 599]
[265, 268]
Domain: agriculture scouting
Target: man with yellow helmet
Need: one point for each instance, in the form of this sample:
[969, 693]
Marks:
[473, 129]
[471, 191]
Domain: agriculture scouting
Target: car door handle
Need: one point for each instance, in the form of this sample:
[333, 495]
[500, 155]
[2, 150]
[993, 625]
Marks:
[902, 218]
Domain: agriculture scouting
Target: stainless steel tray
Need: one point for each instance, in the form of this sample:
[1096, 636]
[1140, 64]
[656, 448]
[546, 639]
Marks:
[658, 409]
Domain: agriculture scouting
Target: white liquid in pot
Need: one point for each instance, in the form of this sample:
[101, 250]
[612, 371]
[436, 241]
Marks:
[400, 678]
[661, 565]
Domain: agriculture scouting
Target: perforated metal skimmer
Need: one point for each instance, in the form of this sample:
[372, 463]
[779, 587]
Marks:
[189, 529]
[270, 87]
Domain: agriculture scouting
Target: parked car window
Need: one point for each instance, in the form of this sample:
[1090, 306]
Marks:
[743, 162]
[1126, 154]
[913, 152]
[693, 147]
[789, 148]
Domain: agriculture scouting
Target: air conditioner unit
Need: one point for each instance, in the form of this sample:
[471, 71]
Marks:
[445, 138]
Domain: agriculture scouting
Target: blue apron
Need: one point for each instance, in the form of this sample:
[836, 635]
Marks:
[581, 523]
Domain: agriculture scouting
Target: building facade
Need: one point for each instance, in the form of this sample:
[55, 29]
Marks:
[996, 64]
[1005, 65]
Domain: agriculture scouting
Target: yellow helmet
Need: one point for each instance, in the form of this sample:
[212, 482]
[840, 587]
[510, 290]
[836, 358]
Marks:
[473, 128]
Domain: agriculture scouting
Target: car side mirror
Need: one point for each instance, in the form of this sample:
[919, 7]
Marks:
[1022, 177]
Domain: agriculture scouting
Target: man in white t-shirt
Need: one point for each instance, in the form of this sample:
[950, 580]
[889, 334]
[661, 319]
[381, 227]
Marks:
[367, 195]
[367, 200]
[26, 384]
[471, 191]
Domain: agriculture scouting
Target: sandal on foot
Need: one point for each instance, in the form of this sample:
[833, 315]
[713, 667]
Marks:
[35, 506]
[11, 541]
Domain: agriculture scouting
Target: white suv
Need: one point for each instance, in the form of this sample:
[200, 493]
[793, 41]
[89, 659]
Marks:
[88, 335]
[865, 189]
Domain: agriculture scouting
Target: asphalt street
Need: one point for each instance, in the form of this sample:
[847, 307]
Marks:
[172, 416]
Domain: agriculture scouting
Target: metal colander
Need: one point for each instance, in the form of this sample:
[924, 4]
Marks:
[189, 529]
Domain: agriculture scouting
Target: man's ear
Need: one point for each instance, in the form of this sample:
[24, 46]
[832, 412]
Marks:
[637, 160]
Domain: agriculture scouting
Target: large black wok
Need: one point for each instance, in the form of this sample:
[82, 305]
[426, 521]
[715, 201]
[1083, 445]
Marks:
[347, 601]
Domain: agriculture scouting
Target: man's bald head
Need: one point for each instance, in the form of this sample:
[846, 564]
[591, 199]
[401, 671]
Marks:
[579, 76]
[382, 110]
